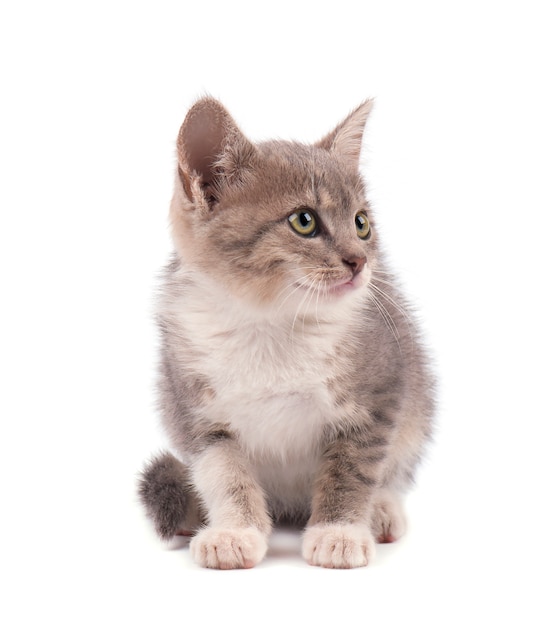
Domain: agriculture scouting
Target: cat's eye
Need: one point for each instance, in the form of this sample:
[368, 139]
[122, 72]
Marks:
[303, 222]
[363, 227]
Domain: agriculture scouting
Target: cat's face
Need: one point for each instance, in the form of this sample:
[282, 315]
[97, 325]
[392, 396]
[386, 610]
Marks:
[285, 226]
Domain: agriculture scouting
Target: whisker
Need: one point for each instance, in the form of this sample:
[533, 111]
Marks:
[311, 291]
[300, 306]
[397, 306]
[382, 280]
[386, 318]
[316, 310]
[299, 285]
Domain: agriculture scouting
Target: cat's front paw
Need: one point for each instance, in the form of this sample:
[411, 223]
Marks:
[223, 548]
[340, 546]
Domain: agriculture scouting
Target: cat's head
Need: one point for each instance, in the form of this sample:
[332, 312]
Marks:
[281, 224]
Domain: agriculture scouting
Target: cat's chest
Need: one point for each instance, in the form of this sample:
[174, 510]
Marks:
[270, 381]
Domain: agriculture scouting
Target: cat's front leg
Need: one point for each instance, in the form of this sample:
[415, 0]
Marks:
[338, 534]
[239, 524]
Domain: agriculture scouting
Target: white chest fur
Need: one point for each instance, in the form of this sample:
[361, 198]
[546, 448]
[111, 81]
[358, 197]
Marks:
[270, 378]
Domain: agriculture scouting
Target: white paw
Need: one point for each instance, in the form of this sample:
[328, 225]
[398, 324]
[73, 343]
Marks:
[388, 519]
[223, 548]
[339, 546]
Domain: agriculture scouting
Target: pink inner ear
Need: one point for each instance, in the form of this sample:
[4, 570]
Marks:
[212, 151]
[202, 143]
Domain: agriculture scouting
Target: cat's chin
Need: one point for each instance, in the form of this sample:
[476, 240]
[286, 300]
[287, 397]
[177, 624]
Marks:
[344, 287]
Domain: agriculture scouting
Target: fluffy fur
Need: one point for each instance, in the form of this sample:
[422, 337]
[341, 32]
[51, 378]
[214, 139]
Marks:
[293, 384]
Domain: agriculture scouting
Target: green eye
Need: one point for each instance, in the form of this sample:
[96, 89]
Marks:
[303, 222]
[362, 225]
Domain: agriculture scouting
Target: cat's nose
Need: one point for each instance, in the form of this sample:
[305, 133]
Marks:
[355, 263]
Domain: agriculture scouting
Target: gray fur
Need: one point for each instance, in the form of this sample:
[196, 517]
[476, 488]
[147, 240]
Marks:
[167, 495]
[241, 338]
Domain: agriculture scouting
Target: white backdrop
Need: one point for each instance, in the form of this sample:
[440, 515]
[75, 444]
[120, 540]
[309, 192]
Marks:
[459, 163]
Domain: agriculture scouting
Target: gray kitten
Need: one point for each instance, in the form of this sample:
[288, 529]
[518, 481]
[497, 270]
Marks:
[292, 382]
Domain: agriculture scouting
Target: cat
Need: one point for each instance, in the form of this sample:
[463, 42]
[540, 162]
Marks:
[293, 384]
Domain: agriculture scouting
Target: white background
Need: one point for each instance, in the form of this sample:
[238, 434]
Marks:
[459, 163]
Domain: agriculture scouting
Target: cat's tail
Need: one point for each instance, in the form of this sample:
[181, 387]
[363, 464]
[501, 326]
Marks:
[166, 492]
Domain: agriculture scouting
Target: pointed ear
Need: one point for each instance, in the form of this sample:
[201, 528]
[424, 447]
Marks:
[346, 139]
[211, 151]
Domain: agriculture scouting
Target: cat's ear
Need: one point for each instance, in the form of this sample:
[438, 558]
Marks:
[346, 139]
[212, 152]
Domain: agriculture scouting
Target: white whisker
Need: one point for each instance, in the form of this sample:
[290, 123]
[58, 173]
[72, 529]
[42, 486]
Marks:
[311, 291]
[316, 310]
[386, 318]
[296, 285]
[300, 306]
[397, 306]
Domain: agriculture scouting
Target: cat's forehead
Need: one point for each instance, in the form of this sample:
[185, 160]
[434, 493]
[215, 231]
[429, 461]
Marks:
[309, 175]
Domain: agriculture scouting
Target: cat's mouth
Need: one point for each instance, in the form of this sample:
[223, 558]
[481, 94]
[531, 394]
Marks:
[342, 287]
[333, 289]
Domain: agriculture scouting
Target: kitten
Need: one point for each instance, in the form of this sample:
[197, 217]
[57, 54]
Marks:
[292, 382]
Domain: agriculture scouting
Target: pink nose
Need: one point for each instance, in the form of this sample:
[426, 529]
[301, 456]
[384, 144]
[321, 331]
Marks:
[355, 263]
